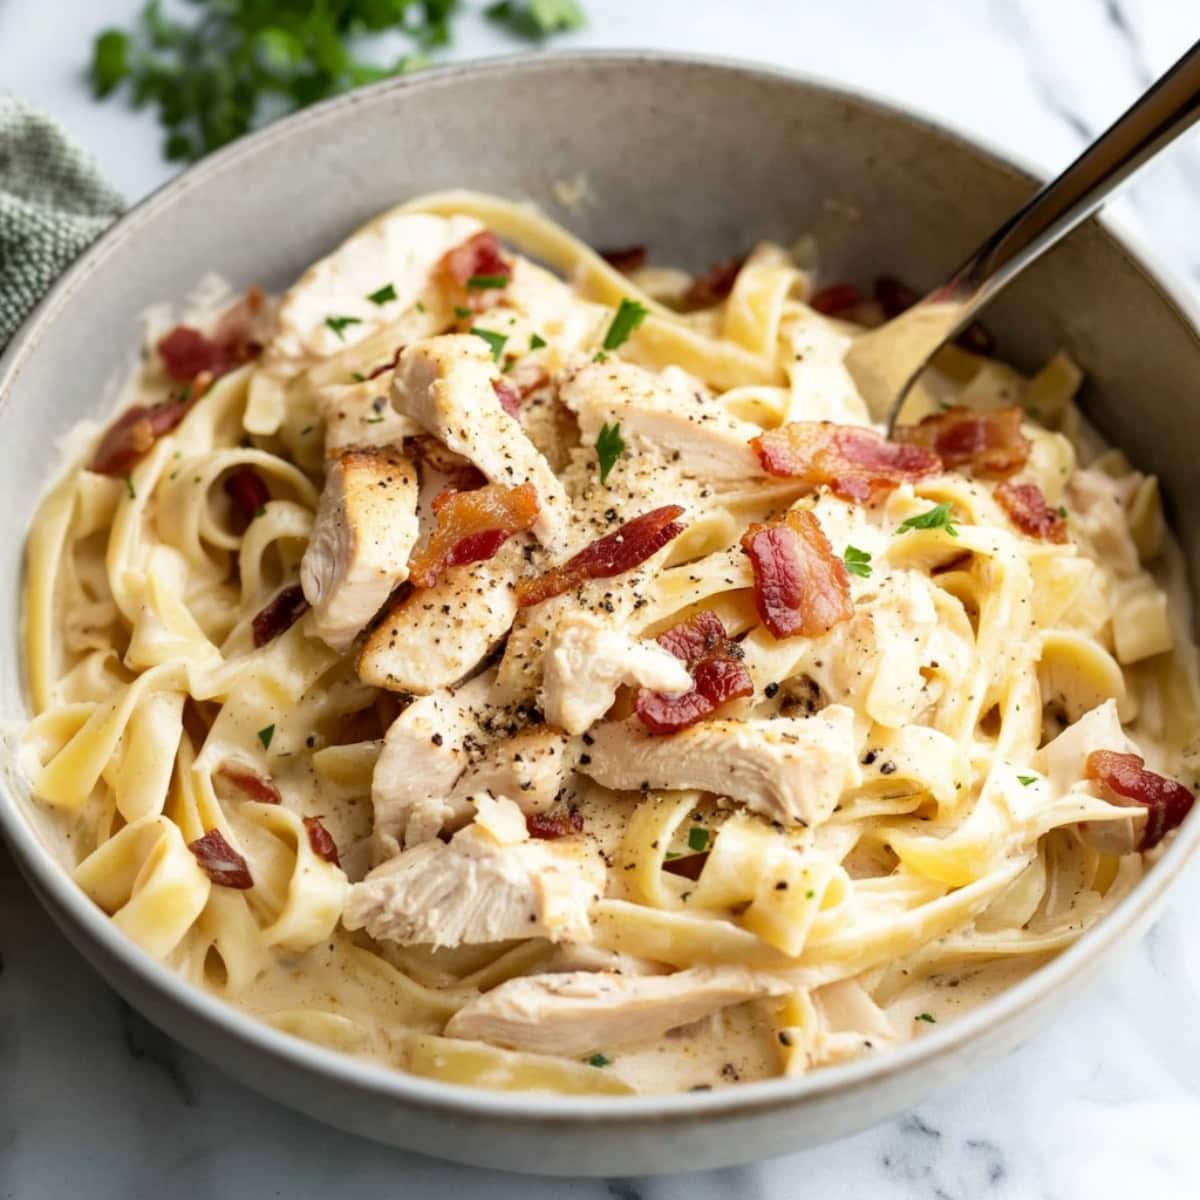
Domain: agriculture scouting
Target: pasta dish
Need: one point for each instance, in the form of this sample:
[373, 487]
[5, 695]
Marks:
[551, 679]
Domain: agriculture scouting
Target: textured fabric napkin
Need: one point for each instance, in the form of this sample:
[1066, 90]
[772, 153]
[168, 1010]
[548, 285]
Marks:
[53, 203]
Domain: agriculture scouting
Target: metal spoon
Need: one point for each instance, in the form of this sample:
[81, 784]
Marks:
[886, 361]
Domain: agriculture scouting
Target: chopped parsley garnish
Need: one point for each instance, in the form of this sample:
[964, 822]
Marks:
[698, 838]
[599, 1060]
[385, 293]
[130, 488]
[927, 1017]
[459, 311]
[810, 894]
[536, 341]
[1062, 511]
[536, 19]
[265, 736]
[374, 420]
[626, 319]
[260, 511]
[495, 340]
[479, 283]
[1026, 780]
[858, 562]
[600, 357]
[358, 377]
[938, 517]
[338, 324]
[671, 854]
[420, 307]
[609, 447]
[307, 429]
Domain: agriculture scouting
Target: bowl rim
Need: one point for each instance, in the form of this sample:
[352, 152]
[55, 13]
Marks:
[51, 881]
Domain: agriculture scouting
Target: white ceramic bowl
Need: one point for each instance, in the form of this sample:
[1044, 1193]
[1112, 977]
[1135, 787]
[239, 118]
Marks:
[697, 159]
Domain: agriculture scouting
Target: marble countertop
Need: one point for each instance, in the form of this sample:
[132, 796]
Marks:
[1104, 1102]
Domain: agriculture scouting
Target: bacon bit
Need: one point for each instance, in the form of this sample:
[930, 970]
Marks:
[186, 352]
[478, 255]
[689, 866]
[713, 285]
[991, 443]
[133, 433]
[471, 526]
[220, 861]
[800, 586]
[387, 366]
[895, 297]
[613, 554]
[1124, 779]
[715, 665]
[279, 615]
[249, 783]
[857, 463]
[626, 258]
[323, 845]
[1029, 512]
[551, 825]
[247, 489]
[836, 298]
[509, 396]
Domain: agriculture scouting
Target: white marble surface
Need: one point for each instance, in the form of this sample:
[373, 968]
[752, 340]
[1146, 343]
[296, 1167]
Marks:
[1103, 1103]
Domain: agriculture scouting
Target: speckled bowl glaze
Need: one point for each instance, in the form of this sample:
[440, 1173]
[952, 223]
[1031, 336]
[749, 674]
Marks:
[697, 159]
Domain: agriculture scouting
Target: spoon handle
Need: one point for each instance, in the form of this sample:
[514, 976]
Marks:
[1161, 114]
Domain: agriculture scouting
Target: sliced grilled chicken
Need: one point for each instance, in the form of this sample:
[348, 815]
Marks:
[667, 411]
[445, 384]
[792, 770]
[579, 1012]
[360, 414]
[587, 660]
[489, 883]
[365, 528]
[530, 768]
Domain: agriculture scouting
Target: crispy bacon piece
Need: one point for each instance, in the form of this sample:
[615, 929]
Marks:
[688, 866]
[713, 285]
[855, 462]
[186, 351]
[990, 443]
[250, 783]
[1124, 780]
[478, 255]
[551, 825]
[895, 297]
[247, 489]
[472, 526]
[1029, 512]
[625, 258]
[613, 554]
[323, 845]
[835, 299]
[715, 665]
[279, 615]
[800, 586]
[509, 396]
[133, 433]
[220, 861]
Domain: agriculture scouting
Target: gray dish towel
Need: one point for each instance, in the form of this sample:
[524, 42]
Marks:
[53, 204]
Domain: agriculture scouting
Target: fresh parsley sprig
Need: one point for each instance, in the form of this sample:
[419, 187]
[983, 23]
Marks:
[937, 517]
[609, 447]
[627, 318]
[218, 68]
[858, 562]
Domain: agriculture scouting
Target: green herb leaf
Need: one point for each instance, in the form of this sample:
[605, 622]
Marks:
[420, 307]
[479, 283]
[609, 447]
[265, 736]
[698, 838]
[339, 324]
[600, 357]
[110, 61]
[599, 1060]
[261, 511]
[536, 19]
[1026, 780]
[858, 562]
[810, 894]
[1062, 511]
[383, 295]
[358, 377]
[937, 517]
[928, 1017]
[536, 341]
[375, 420]
[130, 488]
[460, 312]
[626, 319]
[307, 430]
[495, 340]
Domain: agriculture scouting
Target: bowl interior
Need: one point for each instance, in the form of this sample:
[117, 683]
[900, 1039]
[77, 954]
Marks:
[696, 160]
